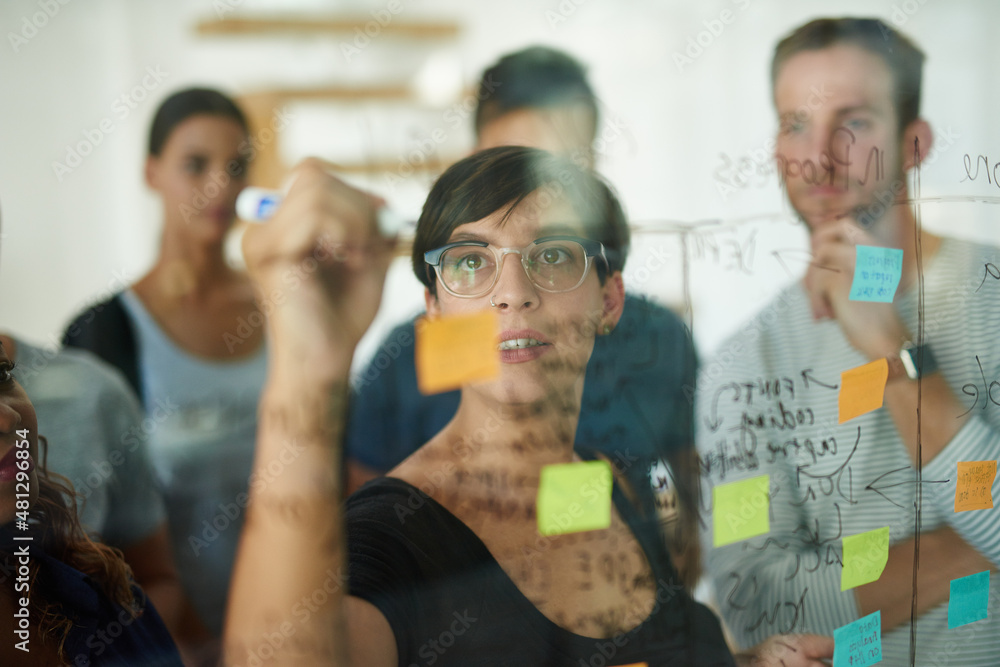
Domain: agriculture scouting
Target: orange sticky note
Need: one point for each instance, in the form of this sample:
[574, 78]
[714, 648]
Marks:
[453, 351]
[974, 490]
[861, 389]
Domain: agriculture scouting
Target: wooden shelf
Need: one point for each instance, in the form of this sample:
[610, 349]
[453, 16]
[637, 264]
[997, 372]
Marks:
[431, 164]
[383, 93]
[326, 26]
[267, 169]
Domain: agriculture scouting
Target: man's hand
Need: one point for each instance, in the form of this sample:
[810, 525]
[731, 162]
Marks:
[789, 651]
[874, 329]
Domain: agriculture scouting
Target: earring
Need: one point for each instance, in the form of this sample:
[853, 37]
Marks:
[607, 329]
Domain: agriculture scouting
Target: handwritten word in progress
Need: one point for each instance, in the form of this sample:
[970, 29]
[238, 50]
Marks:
[767, 406]
[991, 175]
[833, 168]
[972, 389]
[989, 270]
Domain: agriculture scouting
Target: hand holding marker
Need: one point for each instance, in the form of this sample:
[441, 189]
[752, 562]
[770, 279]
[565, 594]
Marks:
[258, 205]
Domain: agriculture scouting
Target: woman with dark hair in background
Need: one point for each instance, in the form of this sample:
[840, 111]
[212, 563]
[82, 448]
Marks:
[181, 337]
[67, 599]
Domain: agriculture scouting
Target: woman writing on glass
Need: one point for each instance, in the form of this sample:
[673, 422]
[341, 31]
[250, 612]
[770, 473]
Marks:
[446, 563]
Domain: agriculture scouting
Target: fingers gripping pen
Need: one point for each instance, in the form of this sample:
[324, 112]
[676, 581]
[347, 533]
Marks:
[258, 204]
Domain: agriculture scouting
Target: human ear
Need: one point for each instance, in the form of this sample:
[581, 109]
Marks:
[431, 303]
[614, 300]
[150, 171]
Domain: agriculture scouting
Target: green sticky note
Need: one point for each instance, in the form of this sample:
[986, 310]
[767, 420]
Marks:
[573, 497]
[740, 510]
[969, 595]
[859, 644]
[865, 556]
[876, 273]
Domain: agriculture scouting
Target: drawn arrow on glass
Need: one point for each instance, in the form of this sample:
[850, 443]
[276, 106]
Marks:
[879, 489]
[797, 255]
[806, 377]
[714, 422]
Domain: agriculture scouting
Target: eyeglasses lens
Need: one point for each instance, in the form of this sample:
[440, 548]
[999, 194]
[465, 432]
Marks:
[554, 266]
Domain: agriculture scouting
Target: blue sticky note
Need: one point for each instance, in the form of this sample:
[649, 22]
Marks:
[969, 596]
[876, 274]
[858, 644]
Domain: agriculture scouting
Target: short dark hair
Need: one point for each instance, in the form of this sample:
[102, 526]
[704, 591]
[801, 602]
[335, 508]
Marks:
[499, 179]
[186, 103]
[904, 59]
[533, 78]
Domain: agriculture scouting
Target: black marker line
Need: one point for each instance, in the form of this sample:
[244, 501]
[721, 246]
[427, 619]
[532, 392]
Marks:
[668, 226]
[954, 199]
[918, 228]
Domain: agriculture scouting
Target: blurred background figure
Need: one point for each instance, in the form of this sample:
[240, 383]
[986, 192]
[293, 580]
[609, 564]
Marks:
[538, 97]
[92, 423]
[797, 576]
[77, 591]
[176, 335]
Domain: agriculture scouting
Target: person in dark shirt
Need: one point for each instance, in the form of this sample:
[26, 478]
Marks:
[634, 408]
[447, 560]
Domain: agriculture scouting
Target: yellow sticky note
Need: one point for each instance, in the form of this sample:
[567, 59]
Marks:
[740, 510]
[865, 556]
[453, 351]
[861, 389]
[974, 490]
[573, 497]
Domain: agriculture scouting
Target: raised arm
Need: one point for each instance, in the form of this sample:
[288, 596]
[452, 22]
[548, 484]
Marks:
[949, 432]
[323, 264]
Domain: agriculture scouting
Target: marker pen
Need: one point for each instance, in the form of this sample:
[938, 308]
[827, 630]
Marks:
[258, 204]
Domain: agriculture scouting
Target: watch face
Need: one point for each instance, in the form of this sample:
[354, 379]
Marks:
[908, 356]
[915, 369]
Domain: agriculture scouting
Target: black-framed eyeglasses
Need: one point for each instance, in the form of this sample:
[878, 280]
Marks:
[553, 264]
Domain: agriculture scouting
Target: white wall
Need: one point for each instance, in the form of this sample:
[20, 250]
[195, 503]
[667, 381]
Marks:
[66, 242]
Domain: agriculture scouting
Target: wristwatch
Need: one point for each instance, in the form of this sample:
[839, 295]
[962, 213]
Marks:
[917, 360]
